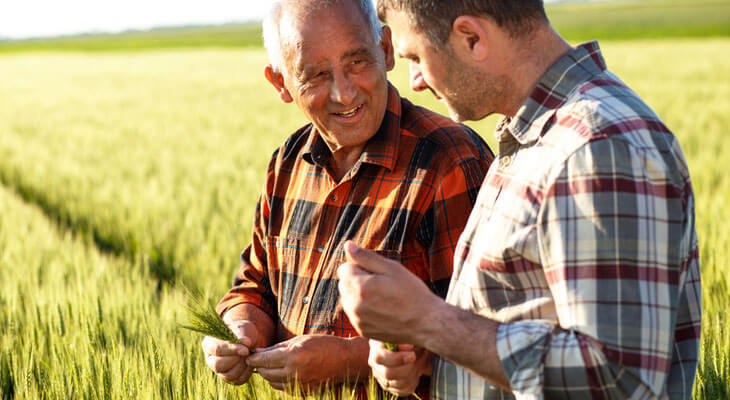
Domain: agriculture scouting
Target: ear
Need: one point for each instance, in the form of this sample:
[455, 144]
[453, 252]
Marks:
[386, 43]
[277, 81]
[470, 35]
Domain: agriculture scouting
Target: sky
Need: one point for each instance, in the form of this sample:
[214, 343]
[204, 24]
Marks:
[42, 18]
[35, 18]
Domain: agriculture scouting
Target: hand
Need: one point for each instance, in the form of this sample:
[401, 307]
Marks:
[228, 360]
[399, 372]
[382, 299]
[310, 360]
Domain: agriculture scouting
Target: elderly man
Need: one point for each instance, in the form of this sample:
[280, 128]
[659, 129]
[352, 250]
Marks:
[577, 275]
[370, 167]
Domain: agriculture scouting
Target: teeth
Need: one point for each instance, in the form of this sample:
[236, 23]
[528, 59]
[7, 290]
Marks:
[349, 113]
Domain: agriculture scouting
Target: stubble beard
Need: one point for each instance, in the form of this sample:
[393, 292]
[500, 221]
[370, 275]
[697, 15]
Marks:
[472, 93]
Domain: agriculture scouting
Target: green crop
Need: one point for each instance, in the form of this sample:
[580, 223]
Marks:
[125, 176]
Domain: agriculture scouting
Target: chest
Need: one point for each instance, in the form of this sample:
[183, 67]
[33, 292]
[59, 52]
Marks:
[497, 268]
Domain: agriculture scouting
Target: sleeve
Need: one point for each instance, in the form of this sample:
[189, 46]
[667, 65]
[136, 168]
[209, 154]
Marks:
[615, 234]
[251, 284]
[447, 216]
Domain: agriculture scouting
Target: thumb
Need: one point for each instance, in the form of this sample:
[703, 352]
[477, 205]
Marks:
[368, 260]
[244, 331]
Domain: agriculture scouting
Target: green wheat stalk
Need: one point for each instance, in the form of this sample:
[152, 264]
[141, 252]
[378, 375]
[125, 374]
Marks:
[203, 319]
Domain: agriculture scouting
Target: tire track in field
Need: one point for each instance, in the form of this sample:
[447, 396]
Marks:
[160, 263]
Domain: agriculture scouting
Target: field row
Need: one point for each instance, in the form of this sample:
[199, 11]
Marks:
[76, 323]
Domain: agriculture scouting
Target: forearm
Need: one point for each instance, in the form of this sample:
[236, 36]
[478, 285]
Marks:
[529, 356]
[538, 356]
[464, 338]
[352, 361]
[262, 321]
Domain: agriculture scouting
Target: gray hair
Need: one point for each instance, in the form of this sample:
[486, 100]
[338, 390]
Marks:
[272, 41]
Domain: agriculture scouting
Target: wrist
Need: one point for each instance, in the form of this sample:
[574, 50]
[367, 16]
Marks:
[358, 350]
[431, 323]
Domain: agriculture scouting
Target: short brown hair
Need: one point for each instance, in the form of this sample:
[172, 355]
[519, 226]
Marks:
[435, 18]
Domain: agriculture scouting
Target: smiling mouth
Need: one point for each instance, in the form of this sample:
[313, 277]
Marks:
[349, 113]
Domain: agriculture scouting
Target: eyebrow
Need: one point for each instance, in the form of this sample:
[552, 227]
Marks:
[362, 51]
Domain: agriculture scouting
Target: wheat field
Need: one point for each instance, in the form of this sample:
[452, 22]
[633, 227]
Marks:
[126, 174]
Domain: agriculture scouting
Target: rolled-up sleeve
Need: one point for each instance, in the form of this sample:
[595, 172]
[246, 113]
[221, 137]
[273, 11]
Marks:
[616, 232]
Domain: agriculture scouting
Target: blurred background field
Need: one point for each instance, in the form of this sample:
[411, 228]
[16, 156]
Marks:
[131, 164]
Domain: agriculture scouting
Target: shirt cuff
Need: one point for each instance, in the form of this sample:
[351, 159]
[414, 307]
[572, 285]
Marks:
[522, 347]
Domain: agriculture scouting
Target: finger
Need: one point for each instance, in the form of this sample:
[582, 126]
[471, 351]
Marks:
[367, 259]
[399, 388]
[237, 375]
[377, 345]
[222, 364]
[403, 372]
[275, 375]
[351, 271]
[273, 347]
[216, 347]
[406, 347]
[275, 358]
[383, 356]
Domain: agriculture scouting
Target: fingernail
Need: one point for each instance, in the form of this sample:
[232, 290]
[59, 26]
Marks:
[243, 352]
[351, 246]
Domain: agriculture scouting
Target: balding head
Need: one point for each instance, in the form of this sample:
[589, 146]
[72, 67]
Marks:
[291, 12]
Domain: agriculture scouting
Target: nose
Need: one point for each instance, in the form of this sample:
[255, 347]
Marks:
[343, 90]
[417, 82]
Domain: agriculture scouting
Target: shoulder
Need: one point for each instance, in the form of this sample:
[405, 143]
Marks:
[604, 106]
[295, 143]
[449, 139]
[604, 121]
[285, 156]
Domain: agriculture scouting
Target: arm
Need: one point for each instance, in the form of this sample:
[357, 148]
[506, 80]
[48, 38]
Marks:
[373, 287]
[615, 237]
[616, 272]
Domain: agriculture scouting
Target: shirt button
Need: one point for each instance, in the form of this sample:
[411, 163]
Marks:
[305, 299]
[506, 161]
[333, 197]
[320, 249]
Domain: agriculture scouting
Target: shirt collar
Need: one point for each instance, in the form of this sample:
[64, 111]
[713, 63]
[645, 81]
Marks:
[380, 150]
[577, 66]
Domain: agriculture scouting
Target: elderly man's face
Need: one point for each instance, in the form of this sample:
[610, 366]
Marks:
[336, 73]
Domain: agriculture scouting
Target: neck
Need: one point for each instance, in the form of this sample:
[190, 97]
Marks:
[343, 159]
[535, 55]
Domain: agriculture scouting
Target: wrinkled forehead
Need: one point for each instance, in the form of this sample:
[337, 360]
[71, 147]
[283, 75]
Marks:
[322, 32]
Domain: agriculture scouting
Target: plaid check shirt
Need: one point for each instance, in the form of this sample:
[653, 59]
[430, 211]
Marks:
[582, 245]
[408, 198]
